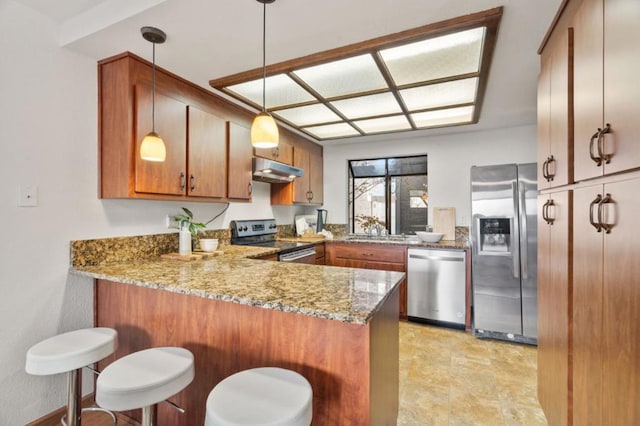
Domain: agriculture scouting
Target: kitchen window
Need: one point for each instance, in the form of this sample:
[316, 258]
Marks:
[388, 195]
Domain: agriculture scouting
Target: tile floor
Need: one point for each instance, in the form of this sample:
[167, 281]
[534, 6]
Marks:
[449, 377]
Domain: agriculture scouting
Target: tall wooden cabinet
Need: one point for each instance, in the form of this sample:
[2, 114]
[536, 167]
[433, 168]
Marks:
[607, 96]
[240, 164]
[589, 273]
[606, 300]
[554, 301]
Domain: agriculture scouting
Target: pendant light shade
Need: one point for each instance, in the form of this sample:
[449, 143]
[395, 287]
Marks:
[152, 147]
[264, 131]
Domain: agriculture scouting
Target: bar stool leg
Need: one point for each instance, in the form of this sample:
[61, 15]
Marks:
[74, 378]
[148, 416]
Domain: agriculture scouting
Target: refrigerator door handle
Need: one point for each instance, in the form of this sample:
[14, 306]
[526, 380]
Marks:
[525, 238]
[515, 232]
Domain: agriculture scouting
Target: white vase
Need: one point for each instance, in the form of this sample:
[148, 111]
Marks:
[185, 241]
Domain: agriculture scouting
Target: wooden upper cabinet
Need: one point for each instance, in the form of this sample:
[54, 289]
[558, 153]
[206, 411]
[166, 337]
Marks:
[282, 153]
[606, 92]
[240, 161]
[169, 176]
[316, 176]
[306, 189]
[207, 154]
[301, 184]
[555, 142]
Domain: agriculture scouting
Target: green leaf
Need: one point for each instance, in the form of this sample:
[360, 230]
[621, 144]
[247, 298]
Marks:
[188, 212]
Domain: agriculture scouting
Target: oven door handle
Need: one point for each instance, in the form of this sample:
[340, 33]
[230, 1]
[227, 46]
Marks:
[297, 255]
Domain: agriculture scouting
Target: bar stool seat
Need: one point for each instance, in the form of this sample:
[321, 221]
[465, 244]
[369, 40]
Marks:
[69, 353]
[143, 379]
[261, 396]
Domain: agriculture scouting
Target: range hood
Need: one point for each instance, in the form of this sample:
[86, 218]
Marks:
[274, 172]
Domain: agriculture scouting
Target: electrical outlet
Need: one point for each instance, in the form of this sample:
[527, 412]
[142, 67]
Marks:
[170, 223]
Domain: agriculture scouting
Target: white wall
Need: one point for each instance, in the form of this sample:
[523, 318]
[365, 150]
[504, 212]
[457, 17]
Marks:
[48, 128]
[449, 159]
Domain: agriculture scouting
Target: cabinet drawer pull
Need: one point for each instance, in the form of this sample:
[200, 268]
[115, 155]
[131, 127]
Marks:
[250, 189]
[598, 159]
[603, 225]
[192, 182]
[593, 223]
[603, 157]
[183, 181]
[545, 172]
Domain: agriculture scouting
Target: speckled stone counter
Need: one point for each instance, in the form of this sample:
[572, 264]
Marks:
[342, 294]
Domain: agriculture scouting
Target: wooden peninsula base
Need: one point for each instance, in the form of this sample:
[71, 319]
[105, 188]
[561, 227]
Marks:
[352, 368]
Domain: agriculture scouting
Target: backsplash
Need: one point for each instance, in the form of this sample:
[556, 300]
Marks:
[126, 249]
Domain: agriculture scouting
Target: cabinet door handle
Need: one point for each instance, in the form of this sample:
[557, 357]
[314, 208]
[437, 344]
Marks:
[603, 157]
[603, 225]
[550, 175]
[250, 188]
[545, 172]
[598, 159]
[593, 223]
[545, 212]
[192, 182]
[183, 181]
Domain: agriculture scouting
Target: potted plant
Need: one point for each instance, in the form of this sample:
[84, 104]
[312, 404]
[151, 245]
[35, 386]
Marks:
[188, 229]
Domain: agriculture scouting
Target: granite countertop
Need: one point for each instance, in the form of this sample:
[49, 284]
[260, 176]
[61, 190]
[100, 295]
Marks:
[335, 293]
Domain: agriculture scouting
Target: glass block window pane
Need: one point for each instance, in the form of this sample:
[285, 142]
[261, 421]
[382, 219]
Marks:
[440, 57]
[439, 95]
[368, 106]
[280, 89]
[332, 131]
[309, 114]
[344, 77]
[385, 124]
[443, 117]
[368, 168]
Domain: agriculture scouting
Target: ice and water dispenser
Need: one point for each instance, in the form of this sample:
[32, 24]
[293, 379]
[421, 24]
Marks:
[494, 235]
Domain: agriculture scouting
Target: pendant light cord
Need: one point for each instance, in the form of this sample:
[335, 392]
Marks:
[264, 55]
[153, 92]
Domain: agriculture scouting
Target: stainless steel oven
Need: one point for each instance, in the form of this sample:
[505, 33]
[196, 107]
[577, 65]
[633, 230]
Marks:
[262, 233]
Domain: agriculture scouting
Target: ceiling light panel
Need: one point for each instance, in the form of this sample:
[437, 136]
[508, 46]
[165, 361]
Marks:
[368, 106]
[309, 114]
[440, 57]
[441, 94]
[343, 77]
[443, 117]
[329, 131]
[385, 124]
[281, 90]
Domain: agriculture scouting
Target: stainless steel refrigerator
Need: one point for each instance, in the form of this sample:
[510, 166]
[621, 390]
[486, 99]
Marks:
[504, 252]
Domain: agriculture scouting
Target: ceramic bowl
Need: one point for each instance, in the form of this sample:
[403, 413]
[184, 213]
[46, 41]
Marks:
[208, 244]
[429, 237]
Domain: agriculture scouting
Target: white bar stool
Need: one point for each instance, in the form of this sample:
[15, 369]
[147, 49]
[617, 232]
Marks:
[143, 379]
[261, 396]
[69, 353]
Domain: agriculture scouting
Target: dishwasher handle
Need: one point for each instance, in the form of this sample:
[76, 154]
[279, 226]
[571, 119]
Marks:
[443, 258]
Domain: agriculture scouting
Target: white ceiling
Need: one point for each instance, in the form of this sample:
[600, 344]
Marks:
[208, 39]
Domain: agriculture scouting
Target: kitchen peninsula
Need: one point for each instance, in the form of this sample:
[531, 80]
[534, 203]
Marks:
[336, 326]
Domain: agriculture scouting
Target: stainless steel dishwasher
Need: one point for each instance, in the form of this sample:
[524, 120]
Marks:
[436, 286]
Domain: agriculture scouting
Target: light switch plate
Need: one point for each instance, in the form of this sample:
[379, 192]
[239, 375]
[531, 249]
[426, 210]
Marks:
[28, 196]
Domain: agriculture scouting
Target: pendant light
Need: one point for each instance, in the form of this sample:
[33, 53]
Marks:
[264, 131]
[152, 147]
